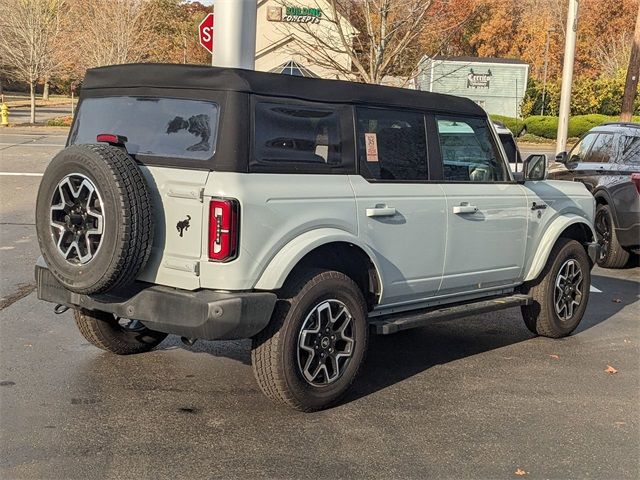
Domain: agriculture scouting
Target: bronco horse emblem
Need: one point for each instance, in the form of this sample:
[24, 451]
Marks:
[183, 225]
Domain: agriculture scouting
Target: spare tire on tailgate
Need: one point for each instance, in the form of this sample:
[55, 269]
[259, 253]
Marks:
[93, 218]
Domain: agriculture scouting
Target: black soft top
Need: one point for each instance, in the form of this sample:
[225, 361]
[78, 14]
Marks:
[201, 77]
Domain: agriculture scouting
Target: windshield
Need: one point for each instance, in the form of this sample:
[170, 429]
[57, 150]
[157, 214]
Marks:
[162, 127]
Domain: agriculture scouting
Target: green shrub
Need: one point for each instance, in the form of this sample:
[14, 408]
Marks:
[547, 126]
[514, 124]
[581, 124]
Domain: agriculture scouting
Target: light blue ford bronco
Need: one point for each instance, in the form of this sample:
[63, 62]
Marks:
[302, 213]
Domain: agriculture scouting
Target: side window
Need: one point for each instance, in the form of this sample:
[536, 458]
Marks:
[298, 137]
[510, 148]
[602, 150]
[392, 145]
[630, 150]
[469, 152]
[579, 152]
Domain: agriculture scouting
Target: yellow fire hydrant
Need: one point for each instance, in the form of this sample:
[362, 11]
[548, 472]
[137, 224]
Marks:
[4, 115]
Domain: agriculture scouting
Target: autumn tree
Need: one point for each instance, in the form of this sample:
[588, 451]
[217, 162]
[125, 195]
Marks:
[109, 32]
[374, 35]
[174, 31]
[633, 72]
[27, 37]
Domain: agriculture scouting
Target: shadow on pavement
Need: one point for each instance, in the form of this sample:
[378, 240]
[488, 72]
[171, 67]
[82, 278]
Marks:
[394, 358]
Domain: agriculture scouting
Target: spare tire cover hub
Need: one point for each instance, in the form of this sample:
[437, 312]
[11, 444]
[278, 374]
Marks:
[77, 218]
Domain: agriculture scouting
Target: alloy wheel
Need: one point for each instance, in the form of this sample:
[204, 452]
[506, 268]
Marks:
[77, 219]
[568, 289]
[326, 343]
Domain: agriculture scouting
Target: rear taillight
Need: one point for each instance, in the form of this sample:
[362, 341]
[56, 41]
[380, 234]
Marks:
[635, 178]
[224, 229]
[111, 139]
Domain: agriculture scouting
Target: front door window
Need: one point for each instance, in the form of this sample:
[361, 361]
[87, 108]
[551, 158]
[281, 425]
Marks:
[579, 151]
[469, 151]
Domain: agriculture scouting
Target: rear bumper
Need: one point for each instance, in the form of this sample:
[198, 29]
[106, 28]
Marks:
[204, 314]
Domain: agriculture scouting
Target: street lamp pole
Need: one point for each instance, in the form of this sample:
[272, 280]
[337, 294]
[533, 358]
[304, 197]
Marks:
[567, 76]
[234, 33]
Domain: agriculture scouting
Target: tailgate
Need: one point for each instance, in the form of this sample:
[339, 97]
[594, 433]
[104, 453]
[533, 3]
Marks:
[179, 219]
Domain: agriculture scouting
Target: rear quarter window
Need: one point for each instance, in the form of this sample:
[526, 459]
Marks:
[297, 138]
[631, 149]
[157, 127]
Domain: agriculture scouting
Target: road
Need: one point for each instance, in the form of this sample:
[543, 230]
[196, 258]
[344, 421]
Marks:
[531, 148]
[19, 115]
[478, 397]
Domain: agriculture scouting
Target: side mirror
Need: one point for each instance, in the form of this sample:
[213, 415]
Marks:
[535, 167]
[561, 157]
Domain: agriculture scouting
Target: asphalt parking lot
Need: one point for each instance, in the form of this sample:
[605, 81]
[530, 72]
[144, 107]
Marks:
[478, 397]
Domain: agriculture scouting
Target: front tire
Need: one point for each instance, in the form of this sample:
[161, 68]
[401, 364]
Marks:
[561, 292]
[612, 254]
[119, 336]
[313, 348]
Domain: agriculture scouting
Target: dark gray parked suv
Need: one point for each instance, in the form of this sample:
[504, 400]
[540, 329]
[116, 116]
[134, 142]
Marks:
[607, 161]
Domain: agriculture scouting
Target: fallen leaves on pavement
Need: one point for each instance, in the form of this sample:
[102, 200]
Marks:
[556, 357]
[610, 370]
[520, 472]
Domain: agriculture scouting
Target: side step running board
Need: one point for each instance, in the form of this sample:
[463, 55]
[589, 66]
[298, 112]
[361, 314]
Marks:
[395, 323]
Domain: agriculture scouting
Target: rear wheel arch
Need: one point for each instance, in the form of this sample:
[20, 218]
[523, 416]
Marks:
[327, 249]
[346, 258]
[602, 198]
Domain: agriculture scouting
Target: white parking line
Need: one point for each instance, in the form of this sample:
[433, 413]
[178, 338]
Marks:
[11, 134]
[593, 289]
[21, 174]
[32, 145]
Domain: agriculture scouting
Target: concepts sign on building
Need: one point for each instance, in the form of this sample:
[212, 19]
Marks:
[294, 14]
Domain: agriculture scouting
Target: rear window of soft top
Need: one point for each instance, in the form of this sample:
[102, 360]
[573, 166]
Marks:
[159, 127]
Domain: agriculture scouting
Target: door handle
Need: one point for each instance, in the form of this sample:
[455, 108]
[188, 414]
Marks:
[382, 211]
[465, 208]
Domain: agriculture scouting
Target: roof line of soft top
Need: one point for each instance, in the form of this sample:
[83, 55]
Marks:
[204, 77]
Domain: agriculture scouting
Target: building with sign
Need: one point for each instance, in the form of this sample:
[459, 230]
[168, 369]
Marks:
[287, 33]
[496, 84]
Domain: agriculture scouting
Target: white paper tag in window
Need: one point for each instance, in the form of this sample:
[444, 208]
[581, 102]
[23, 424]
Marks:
[371, 146]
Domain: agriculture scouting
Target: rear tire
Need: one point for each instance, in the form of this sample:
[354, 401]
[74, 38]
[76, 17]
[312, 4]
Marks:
[561, 292]
[612, 254]
[106, 332]
[321, 317]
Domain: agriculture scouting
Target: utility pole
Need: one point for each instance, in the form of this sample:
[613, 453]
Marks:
[234, 34]
[631, 85]
[546, 64]
[567, 76]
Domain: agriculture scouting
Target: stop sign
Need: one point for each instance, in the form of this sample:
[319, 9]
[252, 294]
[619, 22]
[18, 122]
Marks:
[206, 32]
